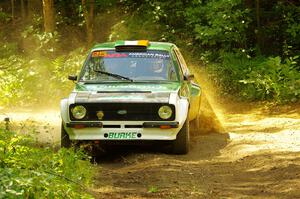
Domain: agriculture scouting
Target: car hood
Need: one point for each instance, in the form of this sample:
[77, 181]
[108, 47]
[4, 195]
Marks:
[124, 92]
[128, 87]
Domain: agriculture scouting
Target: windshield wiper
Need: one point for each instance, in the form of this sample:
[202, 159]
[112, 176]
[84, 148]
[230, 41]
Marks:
[113, 75]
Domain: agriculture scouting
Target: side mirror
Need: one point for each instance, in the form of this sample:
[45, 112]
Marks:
[189, 77]
[72, 77]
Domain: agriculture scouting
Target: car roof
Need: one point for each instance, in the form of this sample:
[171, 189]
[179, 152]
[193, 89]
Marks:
[152, 46]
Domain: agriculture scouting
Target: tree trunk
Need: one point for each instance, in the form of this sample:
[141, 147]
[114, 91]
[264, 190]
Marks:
[249, 4]
[29, 9]
[258, 13]
[13, 11]
[23, 14]
[48, 11]
[259, 39]
[88, 13]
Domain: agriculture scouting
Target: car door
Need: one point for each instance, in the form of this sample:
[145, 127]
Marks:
[194, 88]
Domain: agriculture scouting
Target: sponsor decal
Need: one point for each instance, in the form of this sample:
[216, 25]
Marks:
[99, 54]
[149, 55]
[108, 55]
[134, 86]
[122, 135]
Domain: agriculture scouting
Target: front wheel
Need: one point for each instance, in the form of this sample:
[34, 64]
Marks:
[65, 139]
[182, 143]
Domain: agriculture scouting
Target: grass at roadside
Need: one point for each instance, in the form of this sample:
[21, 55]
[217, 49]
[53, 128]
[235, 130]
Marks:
[28, 171]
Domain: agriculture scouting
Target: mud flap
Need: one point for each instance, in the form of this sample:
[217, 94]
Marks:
[194, 101]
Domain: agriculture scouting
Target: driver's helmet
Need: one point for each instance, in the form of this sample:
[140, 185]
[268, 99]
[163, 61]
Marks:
[157, 66]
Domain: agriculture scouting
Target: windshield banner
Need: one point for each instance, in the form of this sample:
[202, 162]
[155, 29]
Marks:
[111, 54]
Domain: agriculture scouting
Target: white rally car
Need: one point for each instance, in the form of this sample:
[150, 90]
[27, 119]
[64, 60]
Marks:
[134, 92]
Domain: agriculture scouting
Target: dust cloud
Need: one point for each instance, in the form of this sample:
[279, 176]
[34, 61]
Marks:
[44, 125]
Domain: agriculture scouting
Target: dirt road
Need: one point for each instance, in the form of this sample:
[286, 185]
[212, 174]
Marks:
[257, 156]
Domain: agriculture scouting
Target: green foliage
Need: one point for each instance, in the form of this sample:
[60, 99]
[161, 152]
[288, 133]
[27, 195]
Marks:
[219, 24]
[27, 171]
[12, 78]
[36, 40]
[279, 27]
[257, 78]
[7, 49]
[153, 189]
[61, 67]
[164, 17]
[136, 26]
[28, 81]
[4, 17]
[274, 79]
[291, 27]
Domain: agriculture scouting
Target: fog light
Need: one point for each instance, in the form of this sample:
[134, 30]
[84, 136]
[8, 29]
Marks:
[100, 115]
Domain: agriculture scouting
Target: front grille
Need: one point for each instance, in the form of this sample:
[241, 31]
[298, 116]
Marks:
[115, 111]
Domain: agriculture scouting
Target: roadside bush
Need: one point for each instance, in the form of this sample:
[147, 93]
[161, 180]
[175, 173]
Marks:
[4, 17]
[36, 42]
[7, 49]
[13, 72]
[218, 24]
[27, 171]
[273, 79]
[60, 68]
[257, 78]
[31, 80]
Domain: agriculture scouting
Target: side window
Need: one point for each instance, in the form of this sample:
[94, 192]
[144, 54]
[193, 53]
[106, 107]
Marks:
[181, 72]
[184, 67]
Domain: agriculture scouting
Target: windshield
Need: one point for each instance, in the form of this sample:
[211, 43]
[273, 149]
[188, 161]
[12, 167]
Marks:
[136, 66]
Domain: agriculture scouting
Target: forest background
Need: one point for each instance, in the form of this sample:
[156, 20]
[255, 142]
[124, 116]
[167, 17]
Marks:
[249, 49]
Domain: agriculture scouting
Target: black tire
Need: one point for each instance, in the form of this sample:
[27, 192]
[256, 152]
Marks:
[182, 143]
[65, 139]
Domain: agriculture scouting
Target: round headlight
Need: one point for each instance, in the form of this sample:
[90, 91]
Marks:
[165, 112]
[78, 112]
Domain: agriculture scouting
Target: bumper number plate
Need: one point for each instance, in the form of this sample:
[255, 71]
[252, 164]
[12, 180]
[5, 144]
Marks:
[122, 135]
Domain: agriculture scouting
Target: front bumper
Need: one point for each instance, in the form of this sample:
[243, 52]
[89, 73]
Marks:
[122, 130]
[163, 125]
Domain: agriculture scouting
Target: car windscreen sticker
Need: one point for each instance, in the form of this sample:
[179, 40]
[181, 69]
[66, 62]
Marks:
[106, 54]
[99, 54]
[159, 55]
[112, 54]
